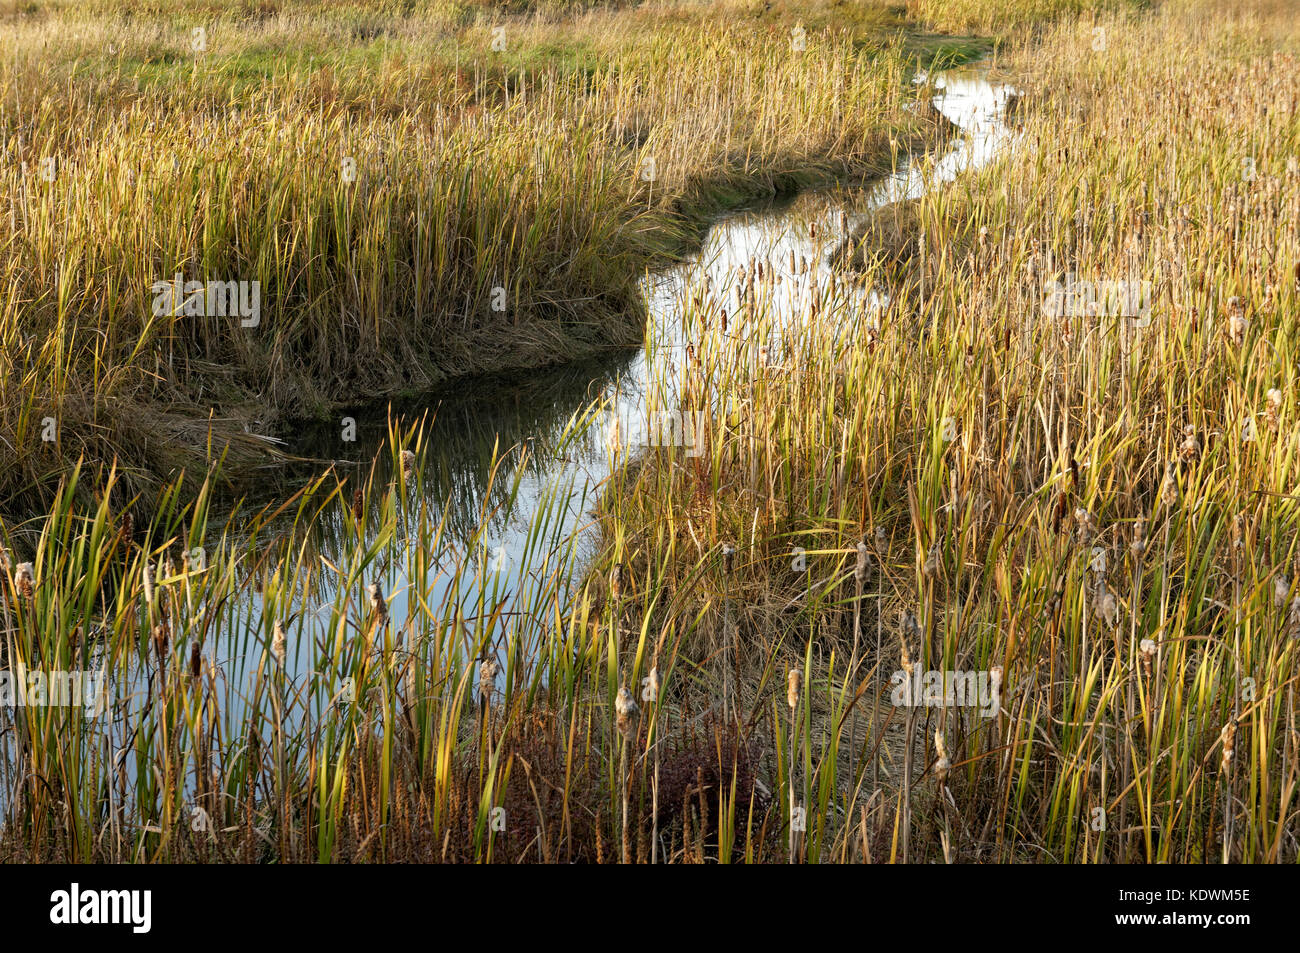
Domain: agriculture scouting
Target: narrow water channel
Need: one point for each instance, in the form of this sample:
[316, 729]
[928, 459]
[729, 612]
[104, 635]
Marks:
[555, 432]
[513, 467]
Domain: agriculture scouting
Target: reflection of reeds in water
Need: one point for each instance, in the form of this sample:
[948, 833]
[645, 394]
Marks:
[476, 442]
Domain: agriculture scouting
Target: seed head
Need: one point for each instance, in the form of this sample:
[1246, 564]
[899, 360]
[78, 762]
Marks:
[860, 570]
[943, 765]
[627, 710]
[279, 644]
[1169, 486]
[1138, 544]
[1237, 323]
[1273, 408]
[25, 580]
[793, 681]
[911, 628]
[408, 464]
[161, 641]
[1281, 589]
[1148, 649]
[377, 603]
[933, 561]
[1085, 525]
[1105, 606]
[652, 682]
[1228, 736]
[487, 677]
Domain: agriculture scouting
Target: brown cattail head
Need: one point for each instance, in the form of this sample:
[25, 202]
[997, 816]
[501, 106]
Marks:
[358, 504]
[279, 644]
[1190, 448]
[161, 642]
[1281, 589]
[1148, 649]
[626, 708]
[933, 561]
[793, 681]
[652, 684]
[1105, 605]
[860, 569]
[408, 464]
[487, 679]
[25, 580]
[1273, 409]
[1237, 323]
[1229, 738]
[126, 532]
[1138, 544]
[908, 631]
[942, 764]
[196, 659]
[377, 603]
[1085, 526]
[1169, 485]
[616, 582]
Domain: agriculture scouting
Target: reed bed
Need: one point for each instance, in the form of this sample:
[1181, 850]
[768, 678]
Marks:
[1095, 511]
[418, 193]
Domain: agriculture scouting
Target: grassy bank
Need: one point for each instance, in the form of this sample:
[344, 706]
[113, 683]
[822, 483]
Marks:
[417, 192]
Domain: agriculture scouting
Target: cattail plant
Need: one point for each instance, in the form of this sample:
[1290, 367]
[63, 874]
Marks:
[25, 580]
[627, 712]
[859, 585]
[794, 681]
[1237, 323]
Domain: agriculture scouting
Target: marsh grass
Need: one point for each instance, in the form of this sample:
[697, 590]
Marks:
[414, 205]
[982, 451]
[994, 449]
